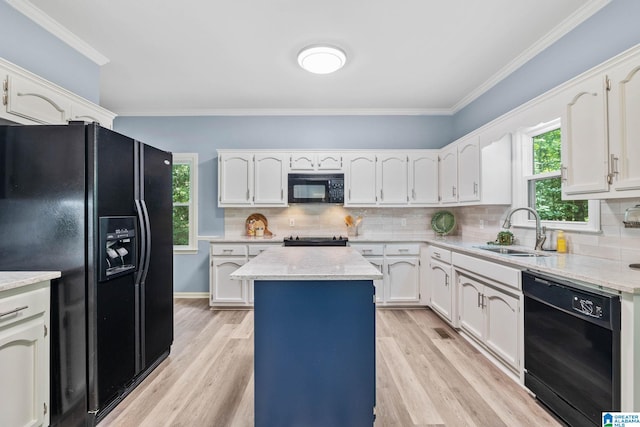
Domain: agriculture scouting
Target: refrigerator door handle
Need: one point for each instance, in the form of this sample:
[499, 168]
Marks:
[143, 241]
[147, 258]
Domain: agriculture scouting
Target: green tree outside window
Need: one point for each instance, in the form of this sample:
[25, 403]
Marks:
[181, 203]
[545, 194]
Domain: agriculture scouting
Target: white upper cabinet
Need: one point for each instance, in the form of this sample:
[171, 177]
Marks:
[310, 161]
[600, 134]
[270, 180]
[246, 179]
[235, 179]
[448, 175]
[423, 178]
[469, 170]
[29, 99]
[473, 172]
[495, 163]
[360, 179]
[393, 176]
[585, 139]
[34, 101]
[624, 128]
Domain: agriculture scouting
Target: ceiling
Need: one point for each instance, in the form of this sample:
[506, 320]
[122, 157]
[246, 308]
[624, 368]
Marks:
[198, 57]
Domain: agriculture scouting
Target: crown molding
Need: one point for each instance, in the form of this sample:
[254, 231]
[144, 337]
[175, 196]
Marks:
[54, 27]
[291, 112]
[575, 19]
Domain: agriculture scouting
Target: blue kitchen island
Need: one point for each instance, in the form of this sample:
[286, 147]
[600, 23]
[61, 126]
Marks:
[314, 336]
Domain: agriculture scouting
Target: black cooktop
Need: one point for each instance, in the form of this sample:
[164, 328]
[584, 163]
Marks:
[315, 241]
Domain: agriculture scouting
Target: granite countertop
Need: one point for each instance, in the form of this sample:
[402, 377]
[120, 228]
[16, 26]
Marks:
[599, 272]
[16, 279]
[308, 263]
[603, 273]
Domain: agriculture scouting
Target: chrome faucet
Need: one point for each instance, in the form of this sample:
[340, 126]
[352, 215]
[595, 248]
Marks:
[540, 235]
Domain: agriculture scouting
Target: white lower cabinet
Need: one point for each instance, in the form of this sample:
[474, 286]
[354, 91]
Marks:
[225, 259]
[441, 285]
[402, 280]
[489, 312]
[401, 269]
[24, 356]
[223, 289]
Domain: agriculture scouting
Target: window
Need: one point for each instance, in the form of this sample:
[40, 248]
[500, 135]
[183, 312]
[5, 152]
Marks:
[541, 183]
[185, 206]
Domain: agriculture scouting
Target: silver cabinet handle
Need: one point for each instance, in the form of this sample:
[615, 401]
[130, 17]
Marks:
[14, 311]
[403, 250]
[563, 173]
[479, 299]
[475, 188]
[453, 192]
[446, 280]
[437, 254]
[366, 250]
[227, 251]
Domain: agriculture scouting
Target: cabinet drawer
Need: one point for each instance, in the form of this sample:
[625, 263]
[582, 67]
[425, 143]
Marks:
[258, 249]
[443, 255]
[229, 250]
[503, 274]
[368, 250]
[22, 306]
[402, 249]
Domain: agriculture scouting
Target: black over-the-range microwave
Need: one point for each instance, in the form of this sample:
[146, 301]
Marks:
[316, 188]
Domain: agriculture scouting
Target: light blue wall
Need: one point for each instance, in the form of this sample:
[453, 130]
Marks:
[609, 32]
[31, 47]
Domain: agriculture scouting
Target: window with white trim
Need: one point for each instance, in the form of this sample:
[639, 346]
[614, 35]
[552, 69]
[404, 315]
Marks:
[185, 202]
[540, 183]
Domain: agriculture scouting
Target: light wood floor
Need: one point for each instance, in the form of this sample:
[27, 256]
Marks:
[427, 375]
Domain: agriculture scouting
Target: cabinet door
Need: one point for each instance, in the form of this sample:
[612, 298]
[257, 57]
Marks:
[423, 179]
[270, 180]
[302, 161]
[235, 179]
[624, 128]
[448, 175]
[23, 359]
[469, 170]
[361, 179]
[34, 101]
[470, 306]
[393, 175]
[329, 162]
[441, 289]
[403, 280]
[501, 332]
[222, 288]
[585, 140]
[378, 262]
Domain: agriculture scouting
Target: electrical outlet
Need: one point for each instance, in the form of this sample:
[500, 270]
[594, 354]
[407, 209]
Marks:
[403, 222]
[482, 223]
[292, 222]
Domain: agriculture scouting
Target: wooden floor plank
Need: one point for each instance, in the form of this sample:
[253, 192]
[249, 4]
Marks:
[427, 375]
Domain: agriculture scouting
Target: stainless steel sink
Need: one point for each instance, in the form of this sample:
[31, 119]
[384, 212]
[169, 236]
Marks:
[510, 252]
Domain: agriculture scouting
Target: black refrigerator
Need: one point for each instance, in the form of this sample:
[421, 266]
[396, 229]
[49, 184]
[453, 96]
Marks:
[96, 205]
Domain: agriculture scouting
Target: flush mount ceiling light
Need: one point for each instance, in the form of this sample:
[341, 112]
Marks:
[321, 59]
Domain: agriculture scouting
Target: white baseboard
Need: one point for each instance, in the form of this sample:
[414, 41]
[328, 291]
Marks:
[191, 295]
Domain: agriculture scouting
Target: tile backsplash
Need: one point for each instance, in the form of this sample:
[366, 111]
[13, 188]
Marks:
[614, 242]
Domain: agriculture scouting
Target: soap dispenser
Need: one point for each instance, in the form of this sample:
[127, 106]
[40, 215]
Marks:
[561, 242]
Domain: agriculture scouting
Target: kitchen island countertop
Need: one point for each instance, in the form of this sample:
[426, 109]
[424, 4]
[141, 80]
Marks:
[16, 279]
[308, 263]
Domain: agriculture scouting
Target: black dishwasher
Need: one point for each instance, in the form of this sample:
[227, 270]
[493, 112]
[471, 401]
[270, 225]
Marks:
[571, 348]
